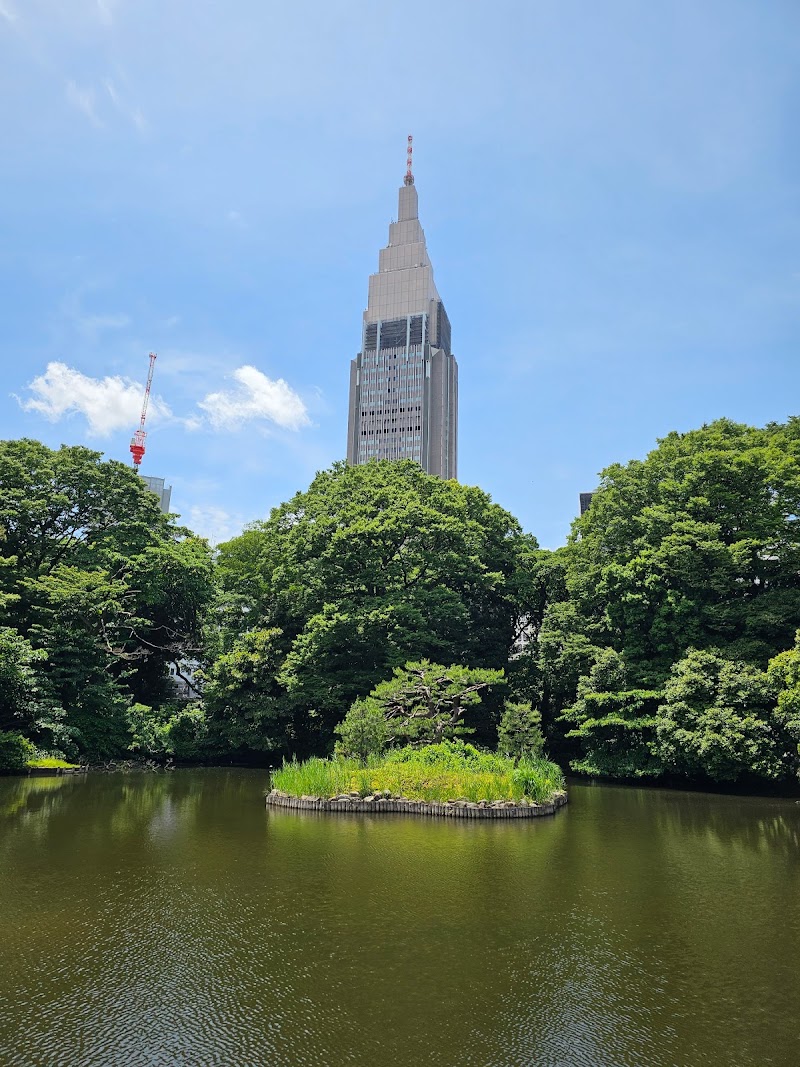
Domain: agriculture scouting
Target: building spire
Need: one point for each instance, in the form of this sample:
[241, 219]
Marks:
[409, 178]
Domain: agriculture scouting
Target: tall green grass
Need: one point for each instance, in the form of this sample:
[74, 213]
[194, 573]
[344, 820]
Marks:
[45, 763]
[449, 771]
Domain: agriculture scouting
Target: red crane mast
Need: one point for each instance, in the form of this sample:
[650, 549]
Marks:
[138, 439]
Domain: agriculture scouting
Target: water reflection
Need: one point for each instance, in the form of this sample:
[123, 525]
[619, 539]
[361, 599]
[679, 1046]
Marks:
[163, 919]
[19, 796]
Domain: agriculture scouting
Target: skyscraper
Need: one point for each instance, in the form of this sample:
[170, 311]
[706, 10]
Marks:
[160, 488]
[404, 381]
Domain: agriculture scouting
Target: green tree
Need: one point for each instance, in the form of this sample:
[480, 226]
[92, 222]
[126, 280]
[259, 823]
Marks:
[94, 576]
[520, 730]
[246, 707]
[614, 722]
[696, 546]
[371, 567]
[363, 732]
[15, 751]
[425, 703]
[718, 720]
[19, 686]
[784, 676]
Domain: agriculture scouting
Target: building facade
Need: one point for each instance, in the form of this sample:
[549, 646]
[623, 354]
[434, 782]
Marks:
[404, 381]
[161, 489]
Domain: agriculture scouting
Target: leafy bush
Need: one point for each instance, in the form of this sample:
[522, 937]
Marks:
[147, 729]
[186, 733]
[453, 755]
[719, 719]
[425, 702]
[784, 675]
[168, 731]
[15, 751]
[363, 732]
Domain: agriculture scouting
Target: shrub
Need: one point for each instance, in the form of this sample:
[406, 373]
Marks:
[719, 719]
[147, 729]
[15, 751]
[424, 702]
[186, 733]
[363, 732]
[453, 755]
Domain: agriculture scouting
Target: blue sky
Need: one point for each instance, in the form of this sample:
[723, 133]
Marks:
[610, 193]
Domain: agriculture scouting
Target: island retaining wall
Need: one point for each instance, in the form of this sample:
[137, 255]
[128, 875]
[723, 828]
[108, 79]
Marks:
[453, 809]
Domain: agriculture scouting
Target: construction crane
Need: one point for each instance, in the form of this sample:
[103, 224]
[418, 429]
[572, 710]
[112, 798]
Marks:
[138, 439]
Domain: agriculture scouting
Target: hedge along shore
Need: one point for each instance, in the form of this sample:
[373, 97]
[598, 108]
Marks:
[453, 809]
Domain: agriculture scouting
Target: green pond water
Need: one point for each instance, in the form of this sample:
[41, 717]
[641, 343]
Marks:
[160, 919]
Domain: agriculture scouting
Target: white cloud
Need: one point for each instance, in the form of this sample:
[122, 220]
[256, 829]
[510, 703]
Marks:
[83, 100]
[107, 404]
[257, 397]
[213, 523]
[7, 12]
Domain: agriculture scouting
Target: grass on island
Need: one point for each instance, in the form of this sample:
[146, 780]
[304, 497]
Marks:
[50, 763]
[438, 773]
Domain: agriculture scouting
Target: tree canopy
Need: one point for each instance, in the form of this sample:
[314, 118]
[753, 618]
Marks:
[371, 567]
[99, 591]
[688, 560]
[662, 639]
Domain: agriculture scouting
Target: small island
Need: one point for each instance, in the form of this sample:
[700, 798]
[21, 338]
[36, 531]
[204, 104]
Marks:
[447, 779]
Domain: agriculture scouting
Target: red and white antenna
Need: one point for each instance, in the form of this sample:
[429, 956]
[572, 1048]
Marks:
[138, 439]
[409, 178]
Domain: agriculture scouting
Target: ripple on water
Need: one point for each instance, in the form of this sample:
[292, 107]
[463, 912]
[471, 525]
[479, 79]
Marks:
[171, 920]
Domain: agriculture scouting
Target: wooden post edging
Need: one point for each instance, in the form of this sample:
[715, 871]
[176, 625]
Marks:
[453, 809]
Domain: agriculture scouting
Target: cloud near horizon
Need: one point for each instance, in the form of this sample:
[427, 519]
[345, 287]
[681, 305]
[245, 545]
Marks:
[114, 403]
[256, 398]
[107, 404]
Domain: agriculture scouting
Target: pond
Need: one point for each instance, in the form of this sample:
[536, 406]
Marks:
[166, 919]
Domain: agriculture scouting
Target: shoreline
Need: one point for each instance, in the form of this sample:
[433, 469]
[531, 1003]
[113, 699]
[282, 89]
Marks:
[453, 809]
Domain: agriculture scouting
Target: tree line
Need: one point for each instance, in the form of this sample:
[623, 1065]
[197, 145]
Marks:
[661, 640]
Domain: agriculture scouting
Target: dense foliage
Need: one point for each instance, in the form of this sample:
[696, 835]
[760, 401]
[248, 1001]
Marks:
[422, 703]
[676, 590]
[370, 568]
[662, 640]
[449, 770]
[99, 592]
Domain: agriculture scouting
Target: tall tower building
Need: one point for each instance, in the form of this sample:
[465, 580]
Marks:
[404, 381]
[160, 488]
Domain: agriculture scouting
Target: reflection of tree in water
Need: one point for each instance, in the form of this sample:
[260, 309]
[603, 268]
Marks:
[28, 797]
[132, 854]
[724, 823]
[133, 812]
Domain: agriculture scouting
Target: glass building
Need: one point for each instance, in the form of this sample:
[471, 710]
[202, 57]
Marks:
[404, 381]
